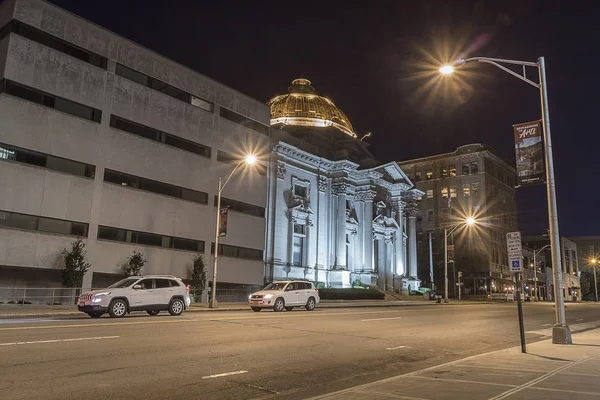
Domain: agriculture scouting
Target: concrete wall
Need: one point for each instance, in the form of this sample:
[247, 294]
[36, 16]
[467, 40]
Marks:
[38, 191]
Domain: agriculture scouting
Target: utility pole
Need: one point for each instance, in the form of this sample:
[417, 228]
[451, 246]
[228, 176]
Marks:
[431, 262]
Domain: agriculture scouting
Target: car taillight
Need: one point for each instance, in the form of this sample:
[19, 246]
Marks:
[187, 288]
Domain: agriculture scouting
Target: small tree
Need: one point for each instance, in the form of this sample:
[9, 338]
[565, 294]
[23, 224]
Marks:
[134, 264]
[198, 273]
[76, 264]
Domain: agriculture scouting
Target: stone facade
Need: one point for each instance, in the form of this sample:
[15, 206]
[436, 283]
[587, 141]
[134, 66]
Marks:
[335, 224]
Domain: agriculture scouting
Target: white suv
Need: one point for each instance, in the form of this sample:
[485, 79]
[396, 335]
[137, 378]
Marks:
[285, 295]
[150, 293]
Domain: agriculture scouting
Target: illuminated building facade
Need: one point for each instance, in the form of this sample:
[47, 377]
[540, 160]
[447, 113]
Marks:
[336, 215]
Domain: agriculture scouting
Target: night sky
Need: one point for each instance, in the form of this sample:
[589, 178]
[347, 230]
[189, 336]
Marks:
[378, 61]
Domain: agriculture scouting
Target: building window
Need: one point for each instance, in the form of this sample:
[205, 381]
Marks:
[244, 121]
[149, 185]
[444, 193]
[42, 224]
[429, 194]
[149, 239]
[242, 207]
[417, 176]
[159, 136]
[466, 190]
[11, 153]
[452, 191]
[163, 87]
[51, 101]
[300, 191]
[298, 245]
[246, 253]
[474, 167]
[475, 188]
[53, 42]
[443, 172]
[430, 215]
[428, 174]
[465, 169]
[452, 170]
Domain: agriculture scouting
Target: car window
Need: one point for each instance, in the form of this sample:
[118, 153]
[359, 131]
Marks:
[291, 286]
[275, 286]
[174, 283]
[123, 283]
[146, 283]
[161, 283]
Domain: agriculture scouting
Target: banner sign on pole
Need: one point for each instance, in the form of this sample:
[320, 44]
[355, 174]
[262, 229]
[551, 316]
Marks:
[223, 213]
[450, 253]
[515, 252]
[529, 150]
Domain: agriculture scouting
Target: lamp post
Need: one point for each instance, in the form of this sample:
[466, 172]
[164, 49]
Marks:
[535, 253]
[249, 160]
[561, 333]
[593, 262]
[469, 222]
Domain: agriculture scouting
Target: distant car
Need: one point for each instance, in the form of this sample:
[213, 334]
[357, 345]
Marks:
[150, 293]
[285, 295]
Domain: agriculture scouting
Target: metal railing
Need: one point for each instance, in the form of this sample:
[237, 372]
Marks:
[69, 296]
[40, 296]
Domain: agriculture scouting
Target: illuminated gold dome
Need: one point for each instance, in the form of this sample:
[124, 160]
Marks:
[304, 107]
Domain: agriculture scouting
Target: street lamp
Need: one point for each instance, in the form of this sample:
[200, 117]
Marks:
[593, 262]
[250, 159]
[560, 333]
[469, 222]
[535, 253]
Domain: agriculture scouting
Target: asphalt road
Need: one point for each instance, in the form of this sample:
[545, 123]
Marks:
[246, 355]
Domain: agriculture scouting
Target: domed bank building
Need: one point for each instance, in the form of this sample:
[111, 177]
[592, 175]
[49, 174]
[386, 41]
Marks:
[335, 214]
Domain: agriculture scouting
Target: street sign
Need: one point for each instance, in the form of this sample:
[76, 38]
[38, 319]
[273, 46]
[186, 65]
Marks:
[515, 252]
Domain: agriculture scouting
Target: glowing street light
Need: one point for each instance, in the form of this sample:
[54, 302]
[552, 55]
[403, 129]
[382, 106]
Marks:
[250, 159]
[469, 222]
[561, 333]
[447, 69]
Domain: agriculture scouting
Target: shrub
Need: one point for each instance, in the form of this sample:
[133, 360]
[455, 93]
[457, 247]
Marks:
[76, 264]
[134, 264]
[351, 294]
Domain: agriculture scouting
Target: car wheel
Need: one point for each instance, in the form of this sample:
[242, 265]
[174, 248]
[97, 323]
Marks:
[117, 309]
[279, 305]
[289, 308]
[153, 312]
[95, 314]
[310, 304]
[176, 307]
[256, 309]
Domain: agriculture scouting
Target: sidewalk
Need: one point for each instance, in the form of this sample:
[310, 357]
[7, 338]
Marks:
[548, 371]
[33, 311]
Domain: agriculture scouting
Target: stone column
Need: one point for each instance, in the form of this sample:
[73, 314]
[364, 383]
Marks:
[367, 227]
[399, 267]
[339, 189]
[412, 243]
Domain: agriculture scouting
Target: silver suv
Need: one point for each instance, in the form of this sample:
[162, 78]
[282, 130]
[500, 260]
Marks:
[150, 293]
[285, 295]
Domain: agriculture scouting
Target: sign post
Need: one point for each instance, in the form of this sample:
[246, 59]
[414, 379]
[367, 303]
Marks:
[515, 259]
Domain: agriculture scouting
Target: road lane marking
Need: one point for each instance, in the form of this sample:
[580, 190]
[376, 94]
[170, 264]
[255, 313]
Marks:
[59, 340]
[578, 320]
[546, 325]
[92, 325]
[299, 315]
[224, 374]
[398, 347]
[378, 319]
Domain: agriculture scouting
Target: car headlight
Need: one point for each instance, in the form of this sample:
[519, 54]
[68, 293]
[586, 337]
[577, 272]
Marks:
[268, 296]
[102, 294]
[249, 297]
[96, 300]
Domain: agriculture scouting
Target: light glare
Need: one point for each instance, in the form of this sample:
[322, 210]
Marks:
[250, 159]
[470, 221]
[447, 69]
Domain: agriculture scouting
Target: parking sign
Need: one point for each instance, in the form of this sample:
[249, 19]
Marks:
[515, 253]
